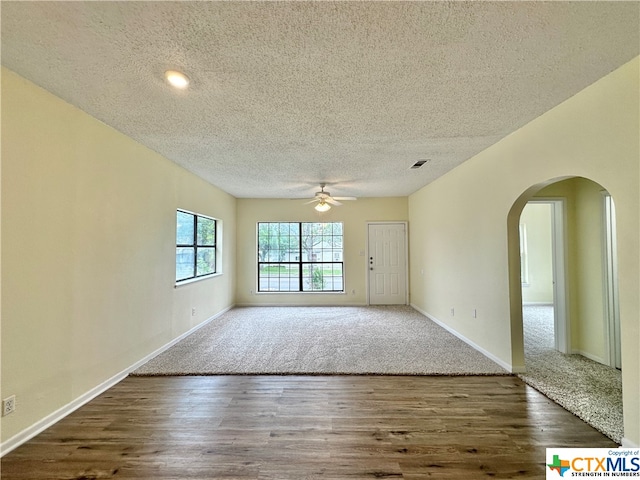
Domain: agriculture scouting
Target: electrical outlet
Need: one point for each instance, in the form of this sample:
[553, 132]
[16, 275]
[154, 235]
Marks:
[452, 312]
[475, 313]
[193, 312]
[8, 405]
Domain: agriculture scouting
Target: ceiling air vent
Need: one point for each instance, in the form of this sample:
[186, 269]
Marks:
[419, 163]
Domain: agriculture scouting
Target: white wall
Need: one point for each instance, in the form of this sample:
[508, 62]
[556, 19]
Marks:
[464, 225]
[354, 214]
[88, 252]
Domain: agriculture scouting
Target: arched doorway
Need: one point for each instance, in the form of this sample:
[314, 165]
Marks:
[577, 375]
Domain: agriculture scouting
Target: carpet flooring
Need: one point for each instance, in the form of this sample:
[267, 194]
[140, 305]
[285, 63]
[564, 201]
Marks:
[389, 340]
[588, 389]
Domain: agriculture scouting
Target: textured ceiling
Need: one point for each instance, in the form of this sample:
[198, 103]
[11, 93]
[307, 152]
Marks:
[286, 95]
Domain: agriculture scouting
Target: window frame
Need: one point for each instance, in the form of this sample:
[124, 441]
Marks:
[195, 245]
[299, 262]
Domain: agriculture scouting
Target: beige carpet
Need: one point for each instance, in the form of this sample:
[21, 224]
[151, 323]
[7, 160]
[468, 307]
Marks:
[390, 340]
[588, 389]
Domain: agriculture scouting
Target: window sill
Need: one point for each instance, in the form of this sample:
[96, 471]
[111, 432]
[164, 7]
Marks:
[300, 293]
[197, 279]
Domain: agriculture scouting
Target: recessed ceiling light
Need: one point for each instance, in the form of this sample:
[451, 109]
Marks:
[176, 79]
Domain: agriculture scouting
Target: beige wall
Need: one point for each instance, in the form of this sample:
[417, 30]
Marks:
[536, 218]
[585, 276]
[464, 225]
[355, 216]
[88, 224]
[88, 252]
[588, 333]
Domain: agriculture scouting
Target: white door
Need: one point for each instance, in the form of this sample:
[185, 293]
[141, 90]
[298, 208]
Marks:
[387, 264]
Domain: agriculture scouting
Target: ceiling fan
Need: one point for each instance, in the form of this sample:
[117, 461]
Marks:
[325, 200]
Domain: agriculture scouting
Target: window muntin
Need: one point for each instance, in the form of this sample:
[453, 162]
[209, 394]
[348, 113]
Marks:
[195, 246]
[300, 257]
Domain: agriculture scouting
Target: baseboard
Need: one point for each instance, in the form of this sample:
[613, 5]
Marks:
[506, 366]
[301, 305]
[537, 304]
[40, 426]
[626, 443]
[517, 369]
[179, 338]
[51, 419]
[590, 356]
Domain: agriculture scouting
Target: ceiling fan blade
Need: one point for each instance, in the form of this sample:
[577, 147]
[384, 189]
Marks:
[311, 201]
[332, 201]
[344, 198]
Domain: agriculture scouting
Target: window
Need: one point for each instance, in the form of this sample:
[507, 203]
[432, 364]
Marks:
[300, 257]
[195, 246]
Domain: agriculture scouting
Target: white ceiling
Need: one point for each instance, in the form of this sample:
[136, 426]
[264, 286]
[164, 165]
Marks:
[286, 95]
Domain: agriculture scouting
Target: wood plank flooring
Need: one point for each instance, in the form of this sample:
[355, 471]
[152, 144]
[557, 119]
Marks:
[313, 427]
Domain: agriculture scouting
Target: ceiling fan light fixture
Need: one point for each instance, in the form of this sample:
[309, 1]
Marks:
[323, 207]
[176, 79]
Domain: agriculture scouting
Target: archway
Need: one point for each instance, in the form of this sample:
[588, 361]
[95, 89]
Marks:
[588, 293]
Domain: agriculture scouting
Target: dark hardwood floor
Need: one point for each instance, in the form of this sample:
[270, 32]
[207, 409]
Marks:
[313, 427]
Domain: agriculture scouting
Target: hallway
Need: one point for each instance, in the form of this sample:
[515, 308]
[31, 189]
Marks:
[590, 390]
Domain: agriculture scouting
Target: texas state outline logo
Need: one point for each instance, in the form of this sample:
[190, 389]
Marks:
[559, 465]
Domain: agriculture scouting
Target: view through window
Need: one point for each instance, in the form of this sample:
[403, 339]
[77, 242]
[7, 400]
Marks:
[300, 257]
[195, 246]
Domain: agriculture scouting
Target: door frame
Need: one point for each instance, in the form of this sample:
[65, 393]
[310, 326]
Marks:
[559, 255]
[406, 256]
[610, 268]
